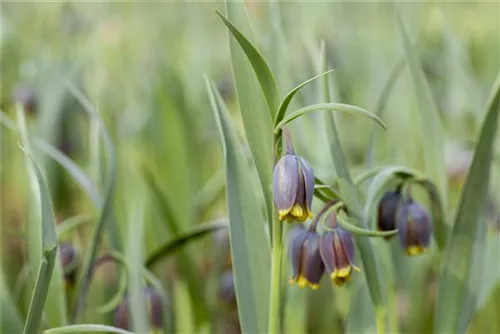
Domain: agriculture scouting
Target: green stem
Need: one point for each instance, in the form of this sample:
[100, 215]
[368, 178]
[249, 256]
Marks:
[275, 297]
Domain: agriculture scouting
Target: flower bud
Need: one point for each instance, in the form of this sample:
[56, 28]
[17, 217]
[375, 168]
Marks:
[306, 261]
[69, 262]
[122, 318]
[415, 228]
[293, 188]
[387, 211]
[338, 254]
[25, 96]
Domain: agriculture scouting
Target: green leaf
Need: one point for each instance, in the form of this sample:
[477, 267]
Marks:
[182, 239]
[10, 319]
[72, 168]
[351, 196]
[104, 222]
[134, 250]
[262, 70]
[86, 328]
[328, 106]
[288, 98]
[382, 101]
[431, 127]
[70, 224]
[257, 121]
[457, 288]
[49, 289]
[42, 240]
[186, 264]
[249, 245]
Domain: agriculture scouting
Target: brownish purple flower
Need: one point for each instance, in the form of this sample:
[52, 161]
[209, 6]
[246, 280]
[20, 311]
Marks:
[338, 253]
[122, 318]
[387, 211]
[305, 258]
[415, 228]
[293, 188]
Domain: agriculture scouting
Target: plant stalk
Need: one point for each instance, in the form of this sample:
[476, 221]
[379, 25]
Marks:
[275, 294]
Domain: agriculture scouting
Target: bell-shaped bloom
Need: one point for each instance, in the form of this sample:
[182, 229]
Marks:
[387, 210]
[415, 228]
[338, 254]
[123, 318]
[293, 188]
[307, 267]
[69, 262]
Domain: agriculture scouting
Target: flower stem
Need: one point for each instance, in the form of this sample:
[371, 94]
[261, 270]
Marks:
[275, 296]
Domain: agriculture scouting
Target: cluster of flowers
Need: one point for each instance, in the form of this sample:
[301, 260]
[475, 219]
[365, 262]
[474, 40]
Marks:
[333, 251]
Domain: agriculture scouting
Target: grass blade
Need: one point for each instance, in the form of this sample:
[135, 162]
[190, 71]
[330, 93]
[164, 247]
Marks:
[260, 67]
[137, 302]
[10, 318]
[184, 238]
[56, 304]
[328, 106]
[288, 98]
[371, 266]
[86, 328]
[457, 289]
[249, 248]
[256, 120]
[72, 168]
[186, 264]
[106, 209]
[430, 122]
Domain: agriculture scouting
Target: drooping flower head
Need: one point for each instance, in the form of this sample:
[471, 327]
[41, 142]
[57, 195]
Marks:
[387, 211]
[293, 188]
[338, 252]
[122, 317]
[415, 227]
[69, 262]
[306, 261]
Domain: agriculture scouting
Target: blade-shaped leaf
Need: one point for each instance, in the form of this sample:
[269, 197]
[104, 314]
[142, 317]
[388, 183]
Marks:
[457, 290]
[10, 317]
[249, 249]
[352, 199]
[104, 222]
[184, 238]
[432, 133]
[288, 98]
[49, 288]
[86, 328]
[328, 106]
[262, 70]
[257, 121]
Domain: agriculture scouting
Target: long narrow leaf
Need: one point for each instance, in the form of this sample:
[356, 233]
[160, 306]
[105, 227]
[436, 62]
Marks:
[86, 328]
[106, 209]
[250, 251]
[328, 106]
[432, 133]
[184, 238]
[257, 121]
[457, 291]
[56, 304]
[288, 98]
[262, 70]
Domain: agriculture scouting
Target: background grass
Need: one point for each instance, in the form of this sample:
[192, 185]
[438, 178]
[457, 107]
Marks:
[142, 66]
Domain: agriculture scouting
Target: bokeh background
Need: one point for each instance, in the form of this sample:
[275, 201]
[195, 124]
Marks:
[142, 65]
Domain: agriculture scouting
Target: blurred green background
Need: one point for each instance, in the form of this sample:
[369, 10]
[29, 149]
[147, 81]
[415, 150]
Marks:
[142, 66]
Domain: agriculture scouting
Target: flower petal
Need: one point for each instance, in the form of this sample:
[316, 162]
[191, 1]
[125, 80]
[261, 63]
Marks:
[295, 251]
[308, 175]
[326, 251]
[314, 267]
[285, 183]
